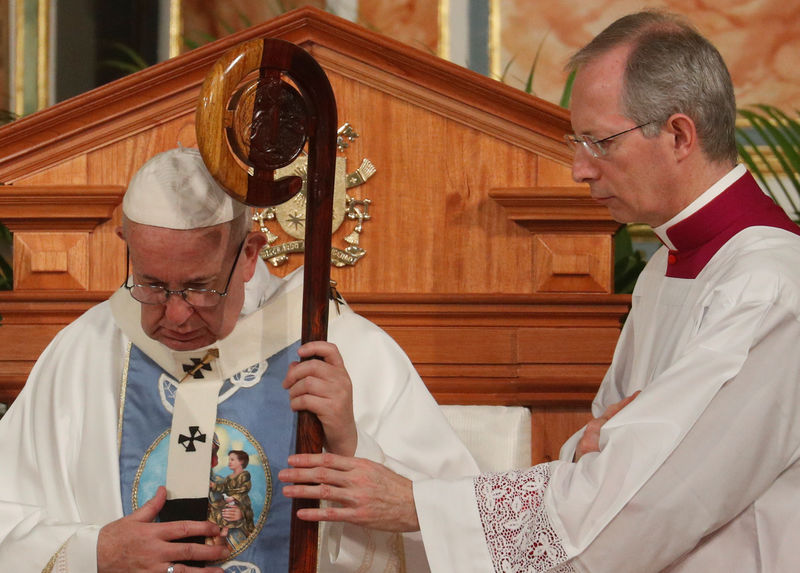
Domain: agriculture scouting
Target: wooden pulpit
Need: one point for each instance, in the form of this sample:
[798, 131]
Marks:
[479, 255]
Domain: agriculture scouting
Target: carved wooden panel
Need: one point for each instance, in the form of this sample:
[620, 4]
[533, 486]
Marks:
[572, 263]
[63, 234]
[50, 261]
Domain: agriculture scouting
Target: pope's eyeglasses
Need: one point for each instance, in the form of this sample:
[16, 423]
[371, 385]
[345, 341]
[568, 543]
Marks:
[597, 147]
[197, 297]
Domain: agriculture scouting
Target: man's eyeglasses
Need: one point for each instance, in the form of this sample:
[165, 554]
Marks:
[198, 297]
[597, 147]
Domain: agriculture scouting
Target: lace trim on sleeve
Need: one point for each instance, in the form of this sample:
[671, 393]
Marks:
[515, 523]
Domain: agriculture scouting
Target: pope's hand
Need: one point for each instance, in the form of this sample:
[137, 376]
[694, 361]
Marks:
[368, 494]
[136, 543]
[322, 386]
[590, 441]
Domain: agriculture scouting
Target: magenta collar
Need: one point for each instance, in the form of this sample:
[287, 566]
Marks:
[698, 237]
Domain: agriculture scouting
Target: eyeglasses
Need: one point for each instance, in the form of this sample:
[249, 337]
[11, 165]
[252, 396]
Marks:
[594, 146]
[197, 297]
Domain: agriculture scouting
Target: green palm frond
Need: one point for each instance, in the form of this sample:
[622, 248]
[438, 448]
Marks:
[529, 80]
[5, 275]
[566, 94]
[205, 38]
[7, 116]
[123, 58]
[6, 282]
[772, 133]
[502, 77]
[628, 262]
[244, 22]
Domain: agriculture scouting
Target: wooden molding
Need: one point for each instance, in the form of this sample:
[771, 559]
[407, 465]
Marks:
[52, 306]
[572, 246]
[385, 309]
[57, 208]
[555, 210]
[544, 138]
[473, 349]
[503, 349]
[30, 321]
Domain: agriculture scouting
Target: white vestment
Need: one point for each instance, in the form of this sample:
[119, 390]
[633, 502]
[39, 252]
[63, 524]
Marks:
[700, 472]
[59, 482]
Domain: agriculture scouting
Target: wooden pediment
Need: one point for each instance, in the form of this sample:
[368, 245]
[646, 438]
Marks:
[140, 102]
[483, 259]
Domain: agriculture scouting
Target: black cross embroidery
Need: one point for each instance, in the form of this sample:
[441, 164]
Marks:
[195, 367]
[194, 434]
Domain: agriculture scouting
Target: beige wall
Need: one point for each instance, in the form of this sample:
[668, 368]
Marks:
[414, 22]
[216, 18]
[759, 40]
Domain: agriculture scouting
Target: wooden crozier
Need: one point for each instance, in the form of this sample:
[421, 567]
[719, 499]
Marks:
[251, 121]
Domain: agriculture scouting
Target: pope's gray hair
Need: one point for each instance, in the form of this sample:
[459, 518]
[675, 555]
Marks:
[671, 69]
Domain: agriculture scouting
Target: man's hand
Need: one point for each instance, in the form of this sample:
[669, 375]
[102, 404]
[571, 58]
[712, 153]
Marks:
[323, 388]
[590, 441]
[136, 543]
[370, 495]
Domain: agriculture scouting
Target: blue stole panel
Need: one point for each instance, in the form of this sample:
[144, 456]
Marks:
[255, 434]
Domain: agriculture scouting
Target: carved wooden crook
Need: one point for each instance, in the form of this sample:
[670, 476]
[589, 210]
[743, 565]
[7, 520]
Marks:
[250, 122]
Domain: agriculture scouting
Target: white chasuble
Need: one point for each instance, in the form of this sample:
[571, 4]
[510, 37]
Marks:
[61, 470]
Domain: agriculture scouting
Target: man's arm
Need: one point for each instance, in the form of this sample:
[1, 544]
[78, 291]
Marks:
[590, 439]
[368, 493]
[371, 495]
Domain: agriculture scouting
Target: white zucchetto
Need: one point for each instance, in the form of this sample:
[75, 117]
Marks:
[175, 190]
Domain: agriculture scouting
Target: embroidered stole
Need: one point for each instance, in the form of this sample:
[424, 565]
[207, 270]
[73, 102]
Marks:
[253, 435]
[253, 417]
